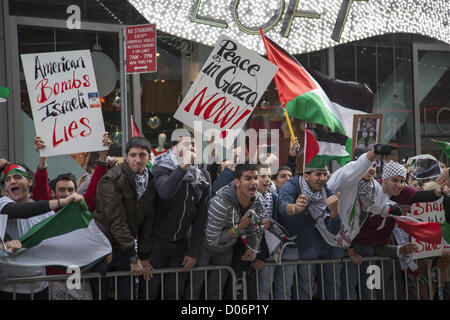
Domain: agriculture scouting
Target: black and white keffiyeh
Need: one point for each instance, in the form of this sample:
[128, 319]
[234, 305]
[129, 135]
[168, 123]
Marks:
[366, 193]
[141, 181]
[392, 169]
[317, 201]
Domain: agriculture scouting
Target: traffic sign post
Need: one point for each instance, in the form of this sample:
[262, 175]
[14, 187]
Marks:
[140, 49]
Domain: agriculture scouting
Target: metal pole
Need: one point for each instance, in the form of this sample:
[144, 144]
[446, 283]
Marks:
[123, 97]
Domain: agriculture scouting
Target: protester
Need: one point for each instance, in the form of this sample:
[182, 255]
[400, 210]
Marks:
[124, 212]
[281, 177]
[183, 194]
[23, 213]
[228, 220]
[300, 212]
[378, 229]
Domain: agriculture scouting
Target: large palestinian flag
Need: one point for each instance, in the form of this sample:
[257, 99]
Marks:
[68, 237]
[314, 97]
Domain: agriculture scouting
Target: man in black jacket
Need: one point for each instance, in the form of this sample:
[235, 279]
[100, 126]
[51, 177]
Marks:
[183, 194]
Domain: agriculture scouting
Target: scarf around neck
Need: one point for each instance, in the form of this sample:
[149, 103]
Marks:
[141, 181]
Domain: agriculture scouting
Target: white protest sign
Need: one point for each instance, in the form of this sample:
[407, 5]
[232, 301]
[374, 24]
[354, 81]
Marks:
[65, 102]
[226, 91]
[428, 212]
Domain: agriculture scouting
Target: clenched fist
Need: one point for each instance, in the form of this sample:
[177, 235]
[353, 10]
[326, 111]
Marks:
[333, 205]
[300, 204]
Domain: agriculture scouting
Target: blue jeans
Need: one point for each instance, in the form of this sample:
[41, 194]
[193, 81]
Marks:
[285, 275]
[352, 271]
[327, 274]
[270, 276]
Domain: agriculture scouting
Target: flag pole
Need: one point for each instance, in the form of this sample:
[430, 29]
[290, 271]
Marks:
[289, 125]
[304, 159]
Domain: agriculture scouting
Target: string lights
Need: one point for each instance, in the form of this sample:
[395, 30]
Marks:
[205, 20]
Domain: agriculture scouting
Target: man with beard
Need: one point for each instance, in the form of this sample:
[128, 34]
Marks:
[124, 212]
[309, 215]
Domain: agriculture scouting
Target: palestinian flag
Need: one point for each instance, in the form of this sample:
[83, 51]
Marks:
[444, 146]
[69, 237]
[135, 130]
[312, 147]
[431, 232]
[4, 94]
[313, 97]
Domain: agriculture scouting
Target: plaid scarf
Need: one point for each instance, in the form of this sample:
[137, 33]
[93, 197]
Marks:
[141, 181]
[317, 205]
[268, 204]
[316, 201]
[366, 193]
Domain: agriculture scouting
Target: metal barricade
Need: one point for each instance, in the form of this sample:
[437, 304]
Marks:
[383, 281]
[326, 279]
[89, 279]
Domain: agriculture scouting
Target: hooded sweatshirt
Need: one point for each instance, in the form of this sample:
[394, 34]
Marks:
[225, 212]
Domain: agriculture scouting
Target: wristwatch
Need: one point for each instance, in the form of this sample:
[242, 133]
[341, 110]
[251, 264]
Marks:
[134, 259]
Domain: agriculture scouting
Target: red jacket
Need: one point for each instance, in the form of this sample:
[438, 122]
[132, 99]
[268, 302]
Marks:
[41, 190]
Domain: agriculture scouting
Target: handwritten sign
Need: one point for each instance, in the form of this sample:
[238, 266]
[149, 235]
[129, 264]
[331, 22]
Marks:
[65, 102]
[428, 212]
[226, 91]
[141, 48]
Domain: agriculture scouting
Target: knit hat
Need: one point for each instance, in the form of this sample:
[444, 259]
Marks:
[392, 169]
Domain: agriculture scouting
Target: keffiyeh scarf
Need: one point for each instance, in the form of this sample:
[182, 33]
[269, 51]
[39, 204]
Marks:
[141, 181]
[316, 206]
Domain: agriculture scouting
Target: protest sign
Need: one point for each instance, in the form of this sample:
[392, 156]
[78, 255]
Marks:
[428, 212]
[366, 132]
[226, 91]
[64, 101]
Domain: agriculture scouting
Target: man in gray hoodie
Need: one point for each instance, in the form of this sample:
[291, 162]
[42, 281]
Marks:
[229, 218]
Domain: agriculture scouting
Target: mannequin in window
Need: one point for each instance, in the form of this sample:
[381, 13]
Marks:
[161, 141]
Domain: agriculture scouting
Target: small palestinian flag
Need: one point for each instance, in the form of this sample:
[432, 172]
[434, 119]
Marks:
[135, 130]
[444, 146]
[317, 98]
[4, 94]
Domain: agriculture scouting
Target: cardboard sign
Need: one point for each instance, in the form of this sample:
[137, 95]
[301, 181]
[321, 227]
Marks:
[226, 91]
[141, 48]
[428, 212]
[65, 102]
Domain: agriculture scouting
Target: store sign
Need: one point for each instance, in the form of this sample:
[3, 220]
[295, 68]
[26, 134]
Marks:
[64, 100]
[141, 48]
[226, 91]
[298, 26]
[428, 212]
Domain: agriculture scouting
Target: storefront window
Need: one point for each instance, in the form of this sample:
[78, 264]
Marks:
[434, 102]
[385, 65]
